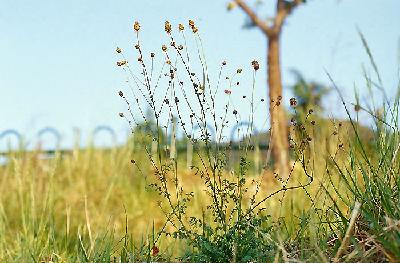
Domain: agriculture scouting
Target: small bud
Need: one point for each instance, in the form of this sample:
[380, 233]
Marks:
[155, 250]
[228, 91]
[121, 114]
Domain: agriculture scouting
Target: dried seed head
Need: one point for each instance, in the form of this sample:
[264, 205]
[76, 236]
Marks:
[172, 44]
[118, 50]
[224, 63]
[121, 63]
[293, 102]
[191, 23]
[137, 46]
[164, 48]
[279, 97]
[152, 55]
[238, 71]
[235, 112]
[121, 114]
[168, 27]
[181, 27]
[180, 47]
[310, 111]
[120, 93]
[255, 65]
[195, 29]
[136, 26]
[313, 122]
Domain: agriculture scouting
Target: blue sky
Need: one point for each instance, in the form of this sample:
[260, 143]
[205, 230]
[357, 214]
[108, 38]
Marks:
[57, 65]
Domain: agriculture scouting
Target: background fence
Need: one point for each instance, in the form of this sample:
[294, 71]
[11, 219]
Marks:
[174, 145]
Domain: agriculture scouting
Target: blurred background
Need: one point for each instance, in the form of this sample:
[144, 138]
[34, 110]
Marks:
[57, 66]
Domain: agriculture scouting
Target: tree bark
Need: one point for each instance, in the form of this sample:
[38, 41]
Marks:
[279, 129]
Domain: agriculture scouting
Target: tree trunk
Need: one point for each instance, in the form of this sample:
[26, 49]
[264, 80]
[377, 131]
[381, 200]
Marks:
[279, 131]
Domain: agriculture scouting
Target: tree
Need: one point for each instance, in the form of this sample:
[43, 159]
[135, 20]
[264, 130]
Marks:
[279, 127]
[308, 94]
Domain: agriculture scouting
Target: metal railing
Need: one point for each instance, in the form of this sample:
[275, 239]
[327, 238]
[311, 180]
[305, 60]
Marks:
[174, 150]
